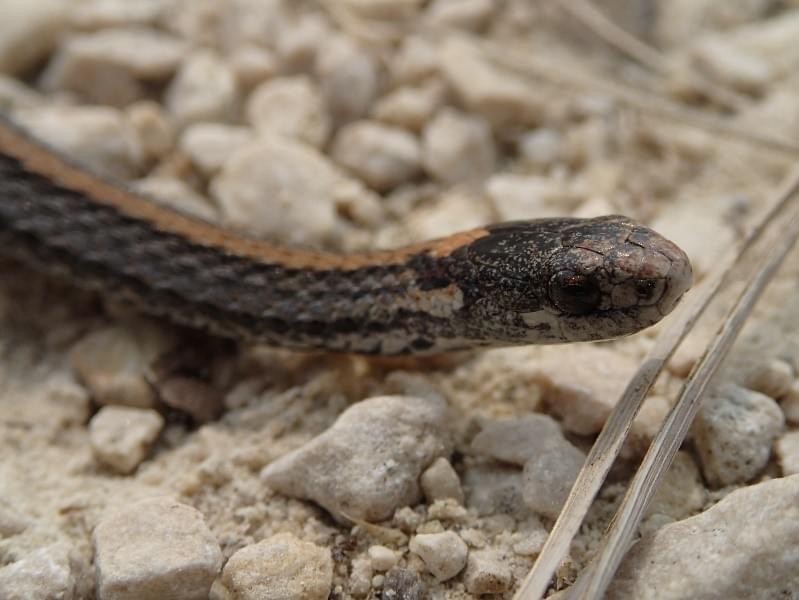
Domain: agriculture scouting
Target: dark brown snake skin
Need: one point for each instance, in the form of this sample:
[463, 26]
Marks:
[531, 282]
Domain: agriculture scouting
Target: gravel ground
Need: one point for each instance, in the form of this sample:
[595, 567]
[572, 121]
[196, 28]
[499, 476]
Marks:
[144, 461]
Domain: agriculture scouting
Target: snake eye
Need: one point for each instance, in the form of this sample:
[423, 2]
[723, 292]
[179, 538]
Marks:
[573, 293]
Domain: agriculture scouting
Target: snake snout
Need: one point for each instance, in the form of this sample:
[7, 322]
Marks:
[664, 262]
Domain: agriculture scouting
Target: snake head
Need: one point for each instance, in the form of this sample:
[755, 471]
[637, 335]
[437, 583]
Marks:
[569, 280]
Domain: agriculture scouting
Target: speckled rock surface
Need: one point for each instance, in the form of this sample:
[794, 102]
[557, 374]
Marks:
[702, 557]
[368, 463]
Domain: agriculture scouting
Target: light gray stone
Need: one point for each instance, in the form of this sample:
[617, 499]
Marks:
[487, 572]
[290, 106]
[380, 155]
[548, 477]
[29, 31]
[121, 436]
[787, 451]
[204, 89]
[349, 78]
[50, 573]
[733, 433]
[458, 147]
[155, 548]
[281, 567]
[495, 489]
[440, 481]
[444, 554]
[368, 463]
[209, 145]
[743, 547]
[519, 439]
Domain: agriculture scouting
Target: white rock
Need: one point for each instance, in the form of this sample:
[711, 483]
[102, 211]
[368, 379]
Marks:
[530, 196]
[98, 137]
[29, 31]
[517, 440]
[153, 129]
[155, 548]
[787, 451]
[281, 567]
[731, 65]
[458, 147]
[121, 436]
[582, 383]
[298, 46]
[487, 572]
[496, 95]
[49, 573]
[349, 79]
[382, 558]
[444, 554]
[743, 547]
[440, 481]
[176, 194]
[464, 14]
[285, 190]
[542, 147]
[209, 145]
[114, 362]
[107, 66]
[204, 89]
[382, 156]
[681, 493]
[410, 107]
[548, 477]
[415, 60]
[495, 489]
[733, 434]
[368, 463]
[252, 64]
[290, 106]
[773, 378]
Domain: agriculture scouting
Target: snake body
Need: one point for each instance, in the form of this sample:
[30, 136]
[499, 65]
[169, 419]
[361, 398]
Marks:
[527, 282]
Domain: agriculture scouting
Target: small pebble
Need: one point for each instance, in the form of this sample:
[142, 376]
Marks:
[29, 32]
[773, 378]
[114, 362]
[176, 193]
[382, 558]
[487, 572]
[201, 401]
[155, 548]
[787, 451]
[790, 404]
[444, 554]
[252, 64]
[281, 567]
[285, 190]
[98, 137]
[410, 107]
[548, 477]
[204, 89]
[382, 156]
[349, 79]
[458, 147]
[121, 436]
[50, 572]
[360, 578]
[733, 432]
[440, 481]
[209, 145]
[519, 439]
[152, 128]
[542, 147]
[368, 463]
[290, 106]
[495, 489]
[517, 196]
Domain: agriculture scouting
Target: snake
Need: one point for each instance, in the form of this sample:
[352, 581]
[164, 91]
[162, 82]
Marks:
[537, 281]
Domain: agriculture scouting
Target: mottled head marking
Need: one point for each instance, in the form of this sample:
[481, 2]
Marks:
[567, 280]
